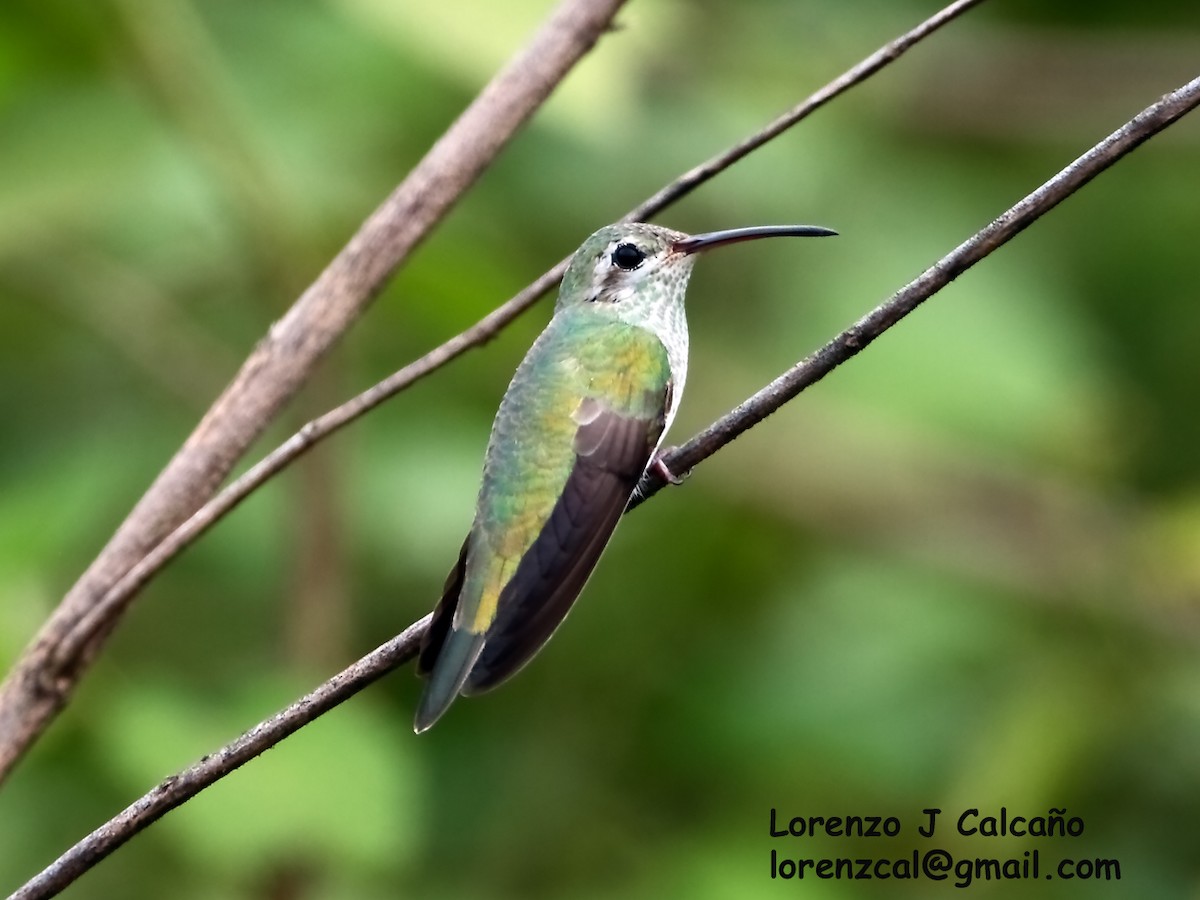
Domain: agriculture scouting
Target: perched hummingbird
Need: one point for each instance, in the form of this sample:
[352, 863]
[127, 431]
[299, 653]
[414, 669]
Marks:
[581, 421]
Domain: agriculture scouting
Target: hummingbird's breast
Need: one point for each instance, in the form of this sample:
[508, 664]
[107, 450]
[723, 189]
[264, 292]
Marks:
[659, 309]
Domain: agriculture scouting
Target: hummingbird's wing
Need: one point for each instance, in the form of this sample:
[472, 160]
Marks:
[439, 625]
[577, 427]
[611, 452]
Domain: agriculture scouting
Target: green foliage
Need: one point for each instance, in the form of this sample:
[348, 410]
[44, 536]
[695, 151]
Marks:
[961, 571]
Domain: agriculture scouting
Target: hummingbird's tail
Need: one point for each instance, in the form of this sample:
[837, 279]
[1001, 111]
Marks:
[455, 659]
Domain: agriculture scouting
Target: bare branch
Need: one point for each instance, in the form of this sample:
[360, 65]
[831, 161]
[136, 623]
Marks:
[176, 790]
[44, 677]
[888, 53]
[123, 592]
[808, 371]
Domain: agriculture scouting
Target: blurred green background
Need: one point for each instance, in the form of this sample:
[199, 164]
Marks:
[962, 571]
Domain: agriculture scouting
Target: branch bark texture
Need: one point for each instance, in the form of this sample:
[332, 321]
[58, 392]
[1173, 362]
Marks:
[177, 789]
[43, 679]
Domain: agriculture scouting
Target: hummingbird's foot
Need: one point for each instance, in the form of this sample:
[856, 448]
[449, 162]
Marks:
[658, 466]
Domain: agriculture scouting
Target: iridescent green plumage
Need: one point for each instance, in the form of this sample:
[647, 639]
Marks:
[534, 441]
[579, 424]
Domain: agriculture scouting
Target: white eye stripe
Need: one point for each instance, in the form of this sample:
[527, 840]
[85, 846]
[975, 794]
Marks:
[612, 282]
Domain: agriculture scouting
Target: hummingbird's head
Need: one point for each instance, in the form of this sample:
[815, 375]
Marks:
[618, 261]
[636, 261]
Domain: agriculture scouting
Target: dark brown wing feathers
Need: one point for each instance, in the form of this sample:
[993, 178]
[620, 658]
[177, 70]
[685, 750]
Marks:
[443, 614]
[612, 451]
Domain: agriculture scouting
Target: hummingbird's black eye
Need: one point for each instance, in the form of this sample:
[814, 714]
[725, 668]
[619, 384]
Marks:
[628, 257]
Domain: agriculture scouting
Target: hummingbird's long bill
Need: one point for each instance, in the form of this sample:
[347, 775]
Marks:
[695, 243]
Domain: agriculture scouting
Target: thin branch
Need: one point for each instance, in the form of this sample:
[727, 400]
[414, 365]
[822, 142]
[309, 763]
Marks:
[43, 679]
[1013, 221]
[888, 53]
[118, 598]
[177, 789]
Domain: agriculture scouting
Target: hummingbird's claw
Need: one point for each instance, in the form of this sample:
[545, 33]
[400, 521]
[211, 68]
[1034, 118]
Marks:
[661, 469]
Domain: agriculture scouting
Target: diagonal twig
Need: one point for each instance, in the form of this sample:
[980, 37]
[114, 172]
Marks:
[121, 594]
[179, 788]
[1017, 218]
[44, 677]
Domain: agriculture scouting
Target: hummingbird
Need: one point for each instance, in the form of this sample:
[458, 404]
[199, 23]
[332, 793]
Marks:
[582, 420]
